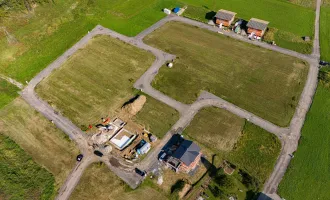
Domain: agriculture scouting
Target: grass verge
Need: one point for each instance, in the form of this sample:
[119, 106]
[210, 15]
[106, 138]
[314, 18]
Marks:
[325, 32]
[20, 176]
[8, 92]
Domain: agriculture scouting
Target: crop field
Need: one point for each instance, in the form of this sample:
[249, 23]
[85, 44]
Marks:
[255, 150]
[39, 138]
[308, 175]
[98, 182]
[301, 19]
[325, 31]
[263, 82]
[8, 92]
[98, 80]
[20, 176]
[220, 133]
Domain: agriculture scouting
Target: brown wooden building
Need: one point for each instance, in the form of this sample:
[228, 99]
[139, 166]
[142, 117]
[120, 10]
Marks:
[224, 17]
[257, 26]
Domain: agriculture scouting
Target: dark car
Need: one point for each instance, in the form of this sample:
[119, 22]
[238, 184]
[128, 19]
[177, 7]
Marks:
[80, 157]
[98, 153]
[324, 63]
[141, 173]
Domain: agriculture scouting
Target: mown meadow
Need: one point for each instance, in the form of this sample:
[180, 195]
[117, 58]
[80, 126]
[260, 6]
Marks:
[325, 31]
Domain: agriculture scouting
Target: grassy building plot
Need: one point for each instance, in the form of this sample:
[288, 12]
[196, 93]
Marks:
[98, 182]
[20, 176]
[219, 133]
[255, 150]
[261, 81]
[308, 175]
[96, 81]
[38, 137]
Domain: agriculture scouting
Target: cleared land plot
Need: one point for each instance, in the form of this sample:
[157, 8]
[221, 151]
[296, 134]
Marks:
[47, 146]
[325, 31]
[98, 182]
[263, 82]
[255, 151]
[220, 133]
[98, 80]
[308, 176]
[7, 92]
[20, 176]
[277, 12]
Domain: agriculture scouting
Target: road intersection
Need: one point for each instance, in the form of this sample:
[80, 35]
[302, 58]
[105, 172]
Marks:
[289, 136]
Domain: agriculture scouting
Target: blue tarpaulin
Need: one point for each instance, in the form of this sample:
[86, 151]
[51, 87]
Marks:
[176, 10]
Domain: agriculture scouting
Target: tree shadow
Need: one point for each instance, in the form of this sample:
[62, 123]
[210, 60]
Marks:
[210, 15]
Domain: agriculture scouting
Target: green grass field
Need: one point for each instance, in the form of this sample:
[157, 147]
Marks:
[20, 176]
[8, 92]
[98, 182]
[299, 18]
[308, 175]
[263, 82]
[325, 31]
[98, 80]
[255, 150]
[219, 133]
[48, 147]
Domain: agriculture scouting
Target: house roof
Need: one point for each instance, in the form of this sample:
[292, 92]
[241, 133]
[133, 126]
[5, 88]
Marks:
[257, 24]
[225, 15]
[187, 152]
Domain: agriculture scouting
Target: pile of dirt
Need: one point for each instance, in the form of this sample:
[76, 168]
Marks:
[134, 107]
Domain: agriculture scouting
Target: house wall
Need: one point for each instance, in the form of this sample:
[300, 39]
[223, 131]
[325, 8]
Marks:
[224, 22]
[259, 33]
[192, 166]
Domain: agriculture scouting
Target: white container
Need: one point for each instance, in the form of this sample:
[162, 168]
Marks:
[167, 11]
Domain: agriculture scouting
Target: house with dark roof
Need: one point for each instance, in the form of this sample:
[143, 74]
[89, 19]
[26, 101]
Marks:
[257, 27]
[224, 17]
[184, 155]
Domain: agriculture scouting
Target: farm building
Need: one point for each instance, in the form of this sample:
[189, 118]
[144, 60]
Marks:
[181, 155]
[224, 17]
[257, 27]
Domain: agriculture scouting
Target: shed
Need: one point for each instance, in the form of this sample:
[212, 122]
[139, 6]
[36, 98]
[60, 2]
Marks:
[144, 148]
[224, 17]
[257, 26]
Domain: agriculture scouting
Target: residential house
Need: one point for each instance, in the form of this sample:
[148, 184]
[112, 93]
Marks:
[224, 17]
[257, 27]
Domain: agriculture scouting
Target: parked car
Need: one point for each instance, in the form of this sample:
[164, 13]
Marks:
[98, 153]
[80, 157]
[141, 173]
[324, 63]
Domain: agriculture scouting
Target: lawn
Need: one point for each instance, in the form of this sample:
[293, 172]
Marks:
[308, 175]
[325, 31]
[216, 128]
[261, 81]
[8, 92]
[97, 80]
[20, 176]
[39, 138]
[301, 19]
[98, 182]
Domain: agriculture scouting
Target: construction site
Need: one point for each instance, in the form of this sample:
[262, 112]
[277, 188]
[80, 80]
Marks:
[121, 136]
